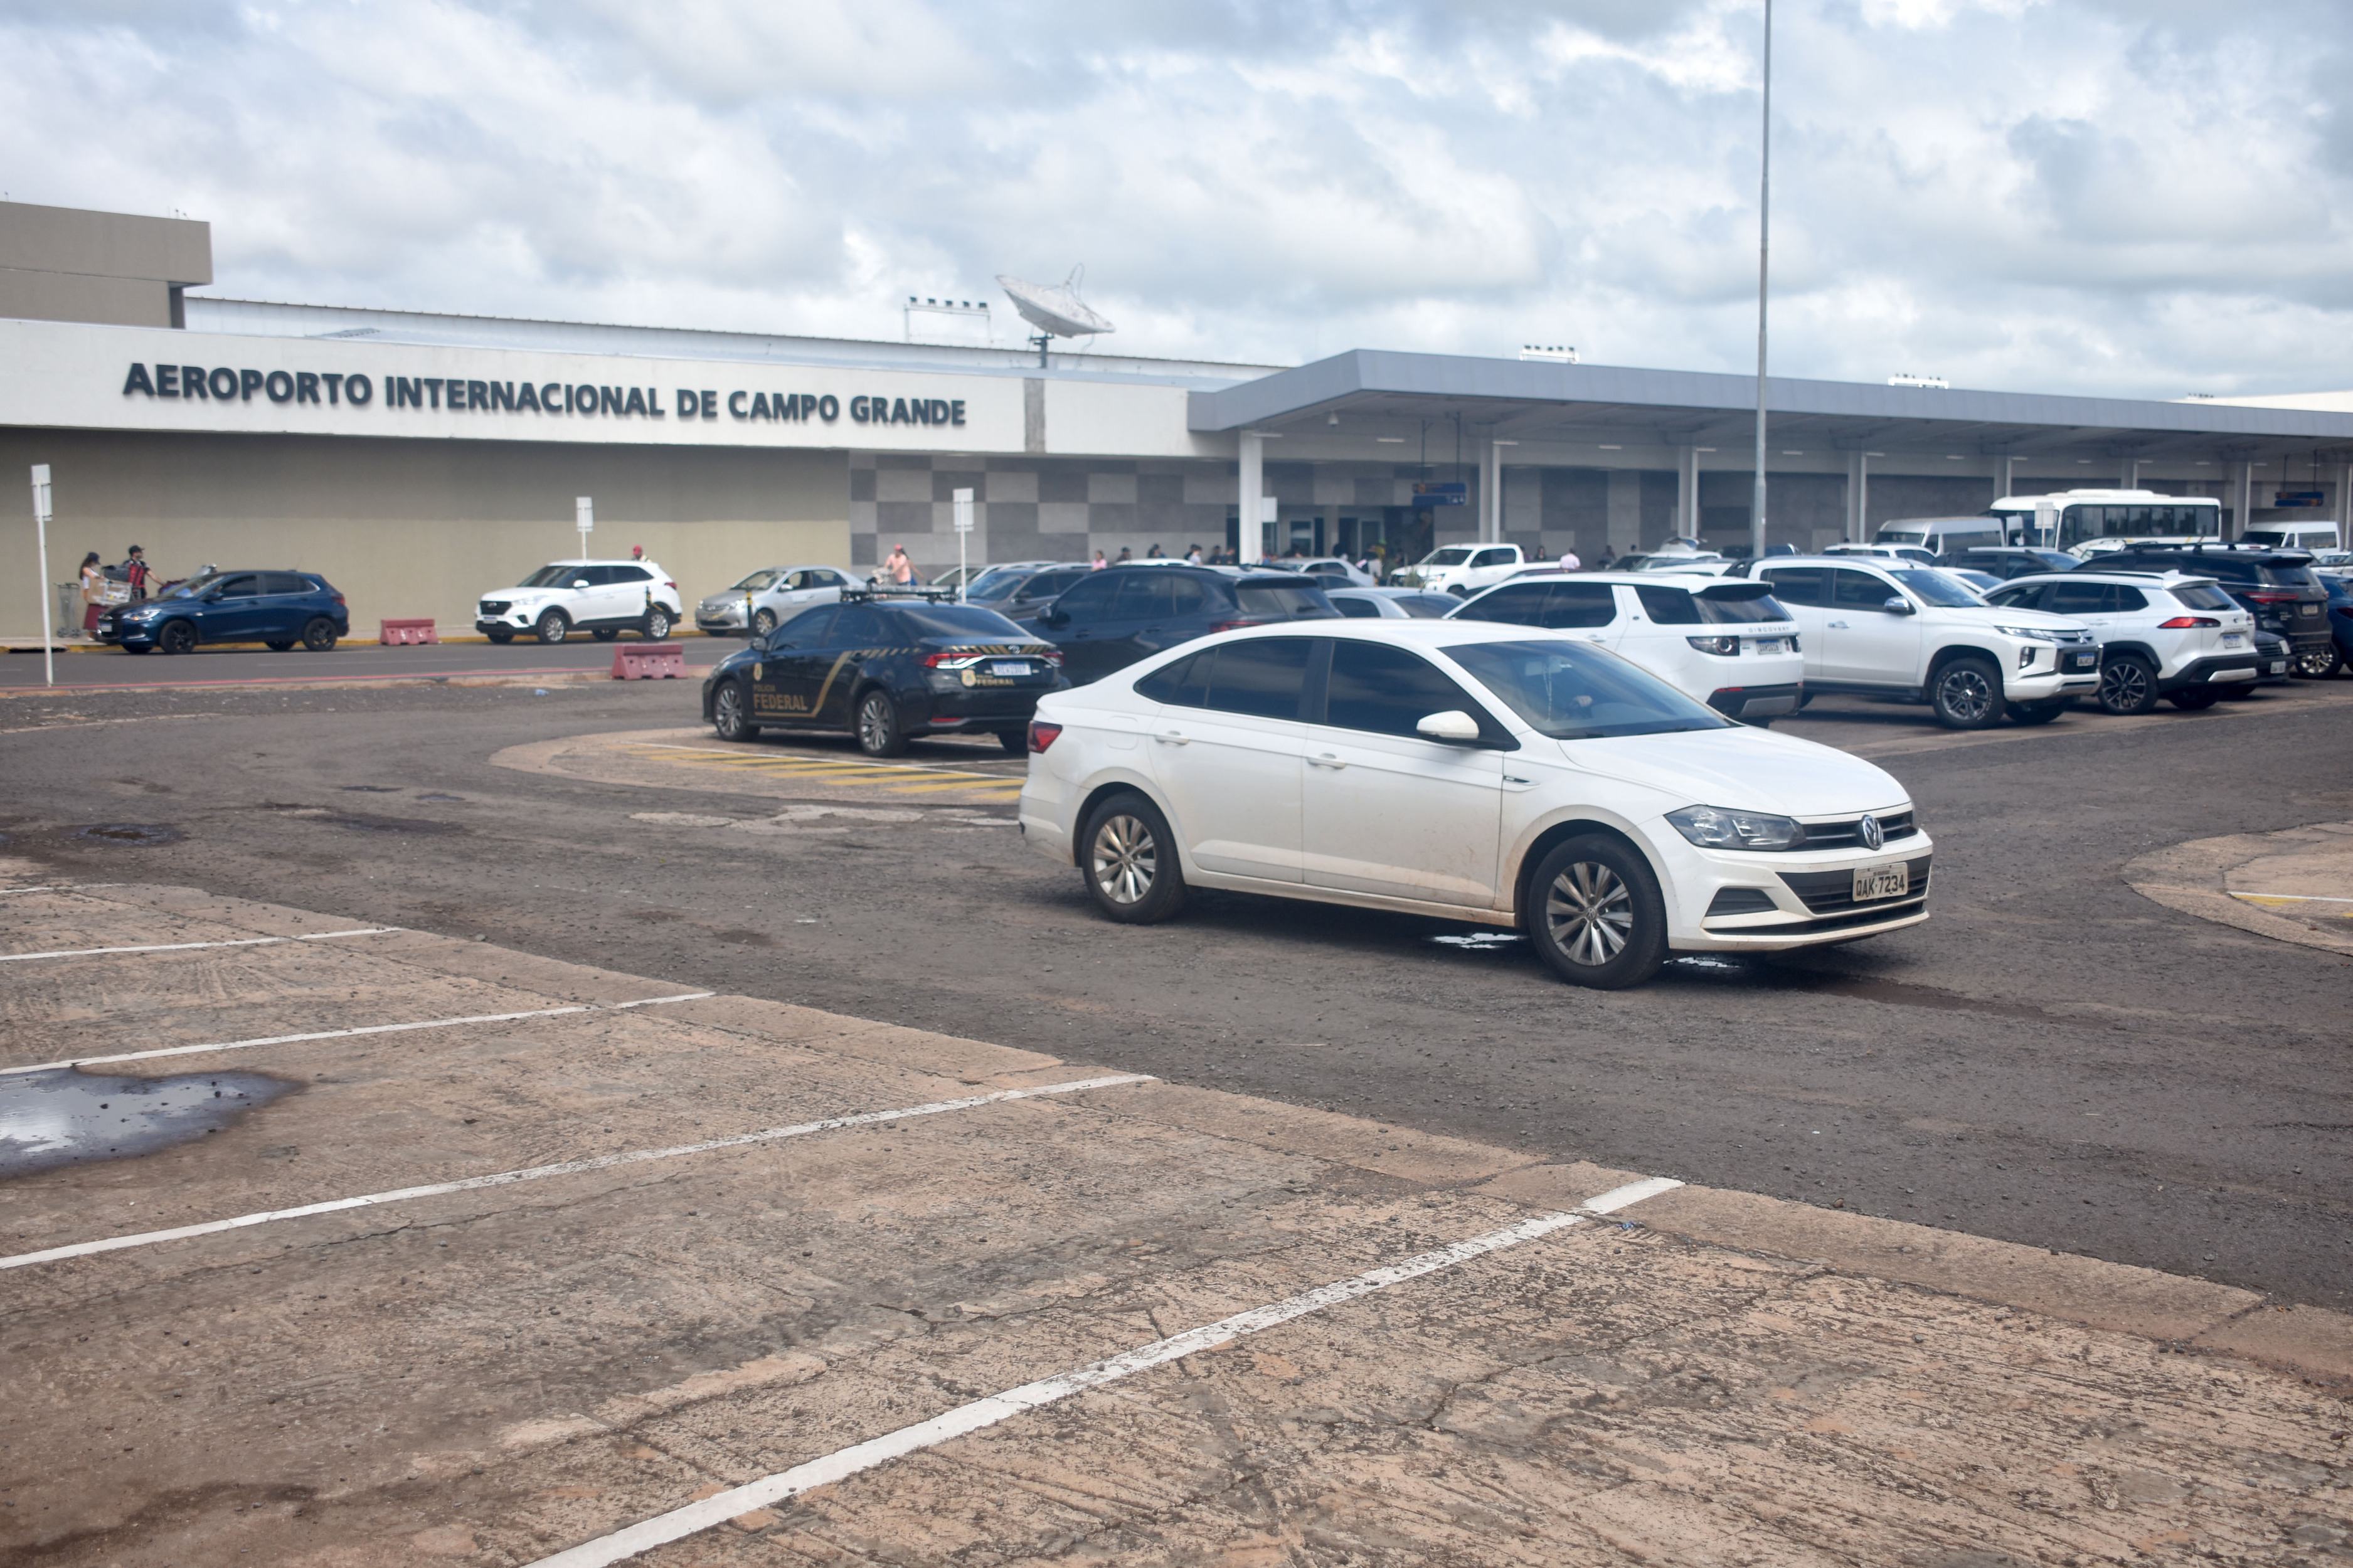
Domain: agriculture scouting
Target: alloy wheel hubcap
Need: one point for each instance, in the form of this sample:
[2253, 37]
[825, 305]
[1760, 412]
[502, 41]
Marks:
[1125, 859]
[1966, 694]
[873, 722]
[2124, 686]
[1589, 912]
[731, 709]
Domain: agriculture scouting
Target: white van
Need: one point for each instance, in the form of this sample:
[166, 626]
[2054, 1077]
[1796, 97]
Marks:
[1940, 535]
[2086, 522]
[2296, 535]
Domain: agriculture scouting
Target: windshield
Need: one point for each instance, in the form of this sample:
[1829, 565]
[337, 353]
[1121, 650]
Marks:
[196, 585]
[758, 581]
[550, 576]
[2204, 596]
[1575, 692]
[1452, 555]
[996, 582]
[959, 621]
[1936, 589]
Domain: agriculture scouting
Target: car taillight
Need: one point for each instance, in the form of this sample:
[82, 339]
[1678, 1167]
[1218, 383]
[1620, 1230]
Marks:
[671, 586]
[1052, 655]
[339, 599]
[1727, 647]
[952, 659]
[2275, 599]
[2183, 622]
[1245, 621]
[1041, 735]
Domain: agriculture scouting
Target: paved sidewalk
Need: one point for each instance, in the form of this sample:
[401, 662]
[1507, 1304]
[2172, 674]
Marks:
[2296, 885]
[498, 1372]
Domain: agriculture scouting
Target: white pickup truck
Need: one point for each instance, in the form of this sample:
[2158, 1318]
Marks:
[1462, 570]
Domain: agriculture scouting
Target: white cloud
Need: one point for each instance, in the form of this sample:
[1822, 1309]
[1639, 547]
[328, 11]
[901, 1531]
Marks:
[2135, 196]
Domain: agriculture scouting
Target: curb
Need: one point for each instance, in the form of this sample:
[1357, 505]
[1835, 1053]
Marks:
[2194, 878]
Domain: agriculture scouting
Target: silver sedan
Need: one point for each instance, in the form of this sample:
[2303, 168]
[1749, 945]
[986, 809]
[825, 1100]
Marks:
[753, 606]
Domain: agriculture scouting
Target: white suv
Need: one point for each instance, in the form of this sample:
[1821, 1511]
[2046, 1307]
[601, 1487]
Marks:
[2162, 634]
[1889, 629]
[604, 598]
[1723, 640]
[1462, 570]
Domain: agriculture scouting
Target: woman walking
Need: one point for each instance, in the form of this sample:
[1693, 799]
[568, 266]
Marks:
[93, 593]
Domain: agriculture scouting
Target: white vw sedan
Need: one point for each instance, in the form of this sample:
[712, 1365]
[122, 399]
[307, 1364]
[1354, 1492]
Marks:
[1485, 772]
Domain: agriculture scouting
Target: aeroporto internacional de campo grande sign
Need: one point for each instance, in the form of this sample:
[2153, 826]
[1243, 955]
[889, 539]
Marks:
[357, 389]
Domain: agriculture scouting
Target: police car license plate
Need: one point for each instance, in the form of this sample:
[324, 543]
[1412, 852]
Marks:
[1881, 882]
[2084, 660]
[2234, 639]
[1769, 645]
[1010, 667]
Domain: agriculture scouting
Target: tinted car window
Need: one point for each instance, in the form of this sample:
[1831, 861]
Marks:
[1182, 683]
[1857, 589]
[1427, 607]
[285, 583]
[2026, 598]
[244, 585]
[1137, 597]
[1357, 609]
[810, 628]
[2290, 577]
[1668, 607]
[1090, 600]
[1046, 584]
[2204, 596]
[1800, 584]
[1738, 604]
[629, 575]
[1262, 678]
[2126, 599]
[1282, 599]
[1572, 690]
[1387, 690]
[2081, 599]
[1943, 593]
[1573, 605]
[1493, 558]
[549, 577]
[1519, 604]
[859, 628]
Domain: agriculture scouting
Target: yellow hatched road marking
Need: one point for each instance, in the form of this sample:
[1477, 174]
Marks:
[1007, 787]
[829, 769]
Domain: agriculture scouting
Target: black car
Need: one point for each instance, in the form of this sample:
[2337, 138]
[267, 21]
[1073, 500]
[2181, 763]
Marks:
[887, 666]
[2008, 561]
[2278, 587]
[1025, 595]
[276, 609]
[1128, 612]
[2340, 617]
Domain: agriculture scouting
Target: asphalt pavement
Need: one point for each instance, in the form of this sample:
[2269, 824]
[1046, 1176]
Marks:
[2055, 1059]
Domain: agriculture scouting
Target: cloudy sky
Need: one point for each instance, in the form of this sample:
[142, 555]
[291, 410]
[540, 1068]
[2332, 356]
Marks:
[2139, 197]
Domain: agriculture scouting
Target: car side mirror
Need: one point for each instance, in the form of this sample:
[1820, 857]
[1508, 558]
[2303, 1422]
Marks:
[580, 582]
[1055, 618]
[1452, 728]
[1898, 605]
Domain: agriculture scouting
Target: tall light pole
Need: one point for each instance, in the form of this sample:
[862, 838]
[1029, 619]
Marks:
[1764, 256]
[42, 506]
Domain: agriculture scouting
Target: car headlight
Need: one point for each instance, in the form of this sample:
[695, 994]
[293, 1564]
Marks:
[1713, 828]
[2032, 633]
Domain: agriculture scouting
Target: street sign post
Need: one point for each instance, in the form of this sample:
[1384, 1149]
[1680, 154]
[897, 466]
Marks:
[584, 518]
[963, 500]
[41, 508]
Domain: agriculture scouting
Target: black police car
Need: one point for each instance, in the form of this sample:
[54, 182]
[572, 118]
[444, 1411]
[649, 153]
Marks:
[276, 609]
[887, 665]
[1126, 612]
[2278, 587]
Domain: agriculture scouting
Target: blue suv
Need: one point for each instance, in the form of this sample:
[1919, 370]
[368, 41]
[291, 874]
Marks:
[276, 609]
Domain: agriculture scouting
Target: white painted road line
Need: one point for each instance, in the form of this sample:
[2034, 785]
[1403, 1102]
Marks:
[347, 1034]
[568, 1168]
[185, 946]
[696, 1517]
[48, 888]
[2292, 898]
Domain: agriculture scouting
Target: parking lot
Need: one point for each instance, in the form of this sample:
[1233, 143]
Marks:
[767, 1153]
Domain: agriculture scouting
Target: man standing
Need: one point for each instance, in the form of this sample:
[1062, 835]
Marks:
[1570, 563]
[898, 568]
[134, 571]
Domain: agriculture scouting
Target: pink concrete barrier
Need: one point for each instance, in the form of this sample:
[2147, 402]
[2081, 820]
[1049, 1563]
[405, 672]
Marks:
[648, 661]
[406, 633]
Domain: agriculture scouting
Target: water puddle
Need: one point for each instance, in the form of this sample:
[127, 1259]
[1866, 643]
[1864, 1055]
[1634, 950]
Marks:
[130, 833]
[1480, 941]
[67, 1117]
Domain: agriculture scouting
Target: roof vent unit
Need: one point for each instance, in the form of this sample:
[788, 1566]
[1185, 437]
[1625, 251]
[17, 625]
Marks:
[948, 320]
[1551, 354]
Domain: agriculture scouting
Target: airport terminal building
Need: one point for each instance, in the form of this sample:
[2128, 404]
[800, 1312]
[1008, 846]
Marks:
[418, 459]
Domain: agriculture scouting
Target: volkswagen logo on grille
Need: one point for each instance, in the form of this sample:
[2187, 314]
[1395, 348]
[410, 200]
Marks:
[1872, 833]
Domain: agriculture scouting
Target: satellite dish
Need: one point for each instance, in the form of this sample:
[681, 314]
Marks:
[1057, 312]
